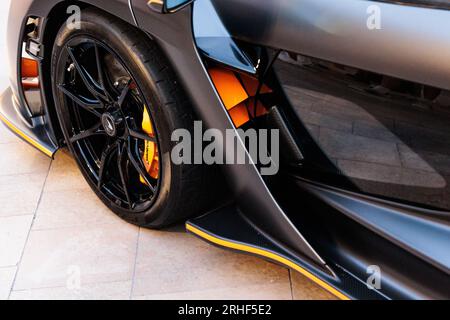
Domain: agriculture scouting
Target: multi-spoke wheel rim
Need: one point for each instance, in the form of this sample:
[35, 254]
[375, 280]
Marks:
[103, 110]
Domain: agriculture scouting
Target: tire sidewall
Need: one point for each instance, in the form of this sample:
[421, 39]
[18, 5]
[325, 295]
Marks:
[110, 34]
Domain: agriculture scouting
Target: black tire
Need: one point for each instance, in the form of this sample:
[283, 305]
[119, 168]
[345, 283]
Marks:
[180, 194]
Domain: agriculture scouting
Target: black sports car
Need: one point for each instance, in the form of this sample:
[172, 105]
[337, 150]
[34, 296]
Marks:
[355, 194]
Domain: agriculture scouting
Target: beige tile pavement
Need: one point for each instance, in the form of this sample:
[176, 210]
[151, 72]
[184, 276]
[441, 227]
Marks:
[305, 289]
[6, 281]
[94, 254]
[6, 136]
[73, 208]
[13, 235]
[172, 263]
[19, 158]
[64, 174]
[20, 193]
[271, 291]
[98, 291]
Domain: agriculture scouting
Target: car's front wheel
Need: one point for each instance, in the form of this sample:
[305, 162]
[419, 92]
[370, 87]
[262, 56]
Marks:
[118, 102]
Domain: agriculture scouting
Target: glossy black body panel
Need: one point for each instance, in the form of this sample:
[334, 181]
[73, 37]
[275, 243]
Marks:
[386, 136]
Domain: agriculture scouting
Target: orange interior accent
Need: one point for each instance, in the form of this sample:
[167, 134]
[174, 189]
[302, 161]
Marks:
[30, 68]
[151, 156]
[237, 94]
[30, 74]
[239, 115]
[229, 87]
[251, 85]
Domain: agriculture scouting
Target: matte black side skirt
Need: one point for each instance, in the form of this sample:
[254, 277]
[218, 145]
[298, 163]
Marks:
[228, 228]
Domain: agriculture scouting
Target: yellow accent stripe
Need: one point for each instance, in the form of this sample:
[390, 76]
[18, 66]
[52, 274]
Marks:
[267, 254]
[25, 137]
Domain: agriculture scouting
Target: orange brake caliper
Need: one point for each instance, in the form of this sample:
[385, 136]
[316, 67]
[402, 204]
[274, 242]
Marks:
[151, 157]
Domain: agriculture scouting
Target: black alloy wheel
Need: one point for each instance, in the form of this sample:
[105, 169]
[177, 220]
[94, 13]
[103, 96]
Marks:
[111, 83]
[105, 123]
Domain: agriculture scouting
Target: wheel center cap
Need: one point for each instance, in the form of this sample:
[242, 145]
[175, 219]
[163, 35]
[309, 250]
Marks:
[109, 124]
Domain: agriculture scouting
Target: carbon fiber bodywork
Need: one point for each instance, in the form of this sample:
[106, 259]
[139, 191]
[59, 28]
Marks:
[329, 228]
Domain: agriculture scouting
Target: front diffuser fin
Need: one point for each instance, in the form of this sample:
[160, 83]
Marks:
[35, 134]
